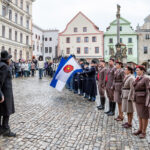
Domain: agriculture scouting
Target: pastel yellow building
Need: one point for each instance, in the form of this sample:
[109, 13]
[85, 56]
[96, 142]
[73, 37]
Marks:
[16, 28]
[81, 38]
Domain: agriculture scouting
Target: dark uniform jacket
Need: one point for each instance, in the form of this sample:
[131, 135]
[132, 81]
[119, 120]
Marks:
[7, 107]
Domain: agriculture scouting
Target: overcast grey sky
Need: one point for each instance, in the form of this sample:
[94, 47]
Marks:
[51, 14]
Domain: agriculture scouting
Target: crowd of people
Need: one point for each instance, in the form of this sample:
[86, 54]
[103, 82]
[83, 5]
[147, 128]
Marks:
[124, 86]
[130, 93]
[22, 68]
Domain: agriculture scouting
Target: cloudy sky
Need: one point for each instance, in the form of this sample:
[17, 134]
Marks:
[55, 14]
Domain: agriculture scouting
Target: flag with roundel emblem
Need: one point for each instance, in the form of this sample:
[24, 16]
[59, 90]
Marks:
[69, 68]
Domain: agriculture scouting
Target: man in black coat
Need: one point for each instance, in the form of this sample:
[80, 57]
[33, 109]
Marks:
[6, 95]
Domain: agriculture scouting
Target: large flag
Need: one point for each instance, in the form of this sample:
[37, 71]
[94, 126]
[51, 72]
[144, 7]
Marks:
[69, 68]
[59, 85]
[66, 69]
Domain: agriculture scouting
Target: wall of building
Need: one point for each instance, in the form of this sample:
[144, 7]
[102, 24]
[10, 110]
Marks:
[17, 48]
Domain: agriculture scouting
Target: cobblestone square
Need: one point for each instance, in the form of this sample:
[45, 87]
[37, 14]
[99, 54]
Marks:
[49, 120]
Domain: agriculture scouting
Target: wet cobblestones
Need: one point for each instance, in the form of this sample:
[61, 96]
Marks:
[49, 120]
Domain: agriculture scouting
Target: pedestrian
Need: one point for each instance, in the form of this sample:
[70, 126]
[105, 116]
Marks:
[117, 85]
[26, 69]
[32, 69]
[128, 96]
[6, 95]
[40, 66]
[141, 90]
[101, 84]
[109, 87]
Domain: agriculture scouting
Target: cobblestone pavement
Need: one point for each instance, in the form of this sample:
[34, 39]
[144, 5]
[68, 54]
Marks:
[48, 120]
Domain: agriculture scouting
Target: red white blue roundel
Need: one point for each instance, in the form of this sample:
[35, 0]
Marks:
[68, 68]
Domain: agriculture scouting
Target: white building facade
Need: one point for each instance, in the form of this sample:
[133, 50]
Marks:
[16, 28]
[45, 43]
[81, 38]
[37, 41]
[50, 44]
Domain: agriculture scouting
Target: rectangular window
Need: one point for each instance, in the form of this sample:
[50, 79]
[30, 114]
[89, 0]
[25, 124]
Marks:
[38, 48]
[86, 39]
[21, 4]
[75, 29]
[27, 8]
[84, 29]
[3, 31]
[45, 39]
[120, 28]
[33, 47]
[86, 50]
[78, 39]
[110, 40]
[39, 38]
[67, 40]
[147, 36]
[16, 34]
[21, 37]
[27, 40]
[16, 2]
[27, 24]
[94, 39]
[16, 18]
[50, 49]
[145, 50]
[129, 40]
[10, 14]
[3, 11]
[130, 52]
[46, 49]
[96, 50]
[78, 50]
[10, 34]
[121, 40]
[50, 39]
[68, 51]
[21, 21]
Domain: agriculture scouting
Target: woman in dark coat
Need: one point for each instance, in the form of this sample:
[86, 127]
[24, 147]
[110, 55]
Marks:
[141, 90]
[6, 96]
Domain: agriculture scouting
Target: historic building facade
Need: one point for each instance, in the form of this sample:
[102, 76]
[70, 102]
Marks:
[16, 28]
[81, 38]
[45, 43]
[128, 38]
[144, 41]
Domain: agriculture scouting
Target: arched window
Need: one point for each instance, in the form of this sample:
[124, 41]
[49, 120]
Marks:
[9, 51]
[15, 55]
[20, 54]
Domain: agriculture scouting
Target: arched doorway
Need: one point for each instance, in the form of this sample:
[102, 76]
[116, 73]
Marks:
[9, 51]
[27, 55]
[20, 54]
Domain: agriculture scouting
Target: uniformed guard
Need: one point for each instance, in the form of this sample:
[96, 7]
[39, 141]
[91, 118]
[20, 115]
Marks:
[109, 87]
[118, 83]
[85, 81]
[92, 87]
[101, 84]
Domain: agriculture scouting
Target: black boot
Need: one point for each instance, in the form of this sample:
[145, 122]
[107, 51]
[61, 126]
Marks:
[110, 107]
[101, 107]
[8, 133]
[1, 130]
[112, 113]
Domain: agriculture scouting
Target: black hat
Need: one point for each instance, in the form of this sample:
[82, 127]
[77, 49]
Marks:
[130, 69]
[102, 61]
[87, 63]
[141, 67]
[5, 55]
[94, 62]
[112, 59]
[120, 63]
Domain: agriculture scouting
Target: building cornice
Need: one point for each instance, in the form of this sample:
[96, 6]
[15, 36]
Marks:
[10, 42]
[15, 25]
[120, 34]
